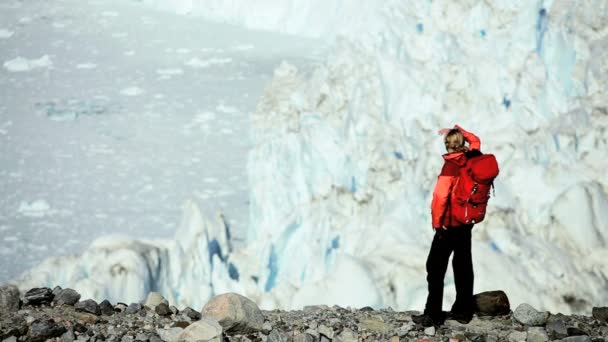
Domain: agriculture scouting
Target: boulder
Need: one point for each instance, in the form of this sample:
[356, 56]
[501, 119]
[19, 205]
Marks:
[38, 296]
[66, 296]
[162, 309]
[537, 334]
[556, 328]
[9, 298]
[491, 303]
[205, 330]
[527, 315]
[44, 330]
[106, 308]
[133, 308]
[169, 335]
[235, 313]
[192, 314]
[89, 306]
[12, 325]
[600, 313]
[154, 298]
[577, 339]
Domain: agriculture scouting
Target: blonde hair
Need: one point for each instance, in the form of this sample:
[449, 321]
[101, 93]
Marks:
[454, 140]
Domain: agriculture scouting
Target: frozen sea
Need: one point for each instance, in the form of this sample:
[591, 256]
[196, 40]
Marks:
[112, 115]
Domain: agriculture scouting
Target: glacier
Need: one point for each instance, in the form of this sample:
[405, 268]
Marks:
[345, 158]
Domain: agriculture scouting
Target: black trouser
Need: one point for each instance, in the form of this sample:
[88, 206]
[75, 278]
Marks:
[457, 240]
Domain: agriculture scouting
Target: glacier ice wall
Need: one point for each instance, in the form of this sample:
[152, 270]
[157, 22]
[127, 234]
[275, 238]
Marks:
[346, 156]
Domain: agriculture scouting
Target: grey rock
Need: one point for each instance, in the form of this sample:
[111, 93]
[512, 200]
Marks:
[56, 290]
[89, 306]
[430, 331]
[205, 330]
[162, 309]
[106, 308]
[142, 337]
[492, 303]
[12, 325]
[153, 299]
[169, 335]
[174, 310]
[556, 328]
[192, 314]
[577, 339]
[600, 313]
[127, 338]
[68, 336]
[537, 334]
[266, 328]
[235, 313]
[517, 336]
[315, 308]
[304, 337]
[66, 296]
[574, 331]
[133, 308]
[326, 331]
[526, 314]
[10, 339]
[38, 296]
[120, 307]
[43, 330]
[276, 336]
[347, 335]
[9, 298]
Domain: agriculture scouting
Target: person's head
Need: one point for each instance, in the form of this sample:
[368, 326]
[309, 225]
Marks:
[454, 141]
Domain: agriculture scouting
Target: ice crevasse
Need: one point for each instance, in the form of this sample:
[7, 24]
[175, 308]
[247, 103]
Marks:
[346, 157]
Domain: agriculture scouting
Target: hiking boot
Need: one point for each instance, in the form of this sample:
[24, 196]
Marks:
[460, 317]
[426, 320]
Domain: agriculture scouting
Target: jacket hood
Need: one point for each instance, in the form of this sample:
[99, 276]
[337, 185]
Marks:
[458, 158]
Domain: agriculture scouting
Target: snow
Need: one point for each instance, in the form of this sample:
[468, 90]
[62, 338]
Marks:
[344, 157]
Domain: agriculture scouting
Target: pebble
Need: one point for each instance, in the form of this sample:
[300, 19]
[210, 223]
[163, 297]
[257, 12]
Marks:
[527, 315]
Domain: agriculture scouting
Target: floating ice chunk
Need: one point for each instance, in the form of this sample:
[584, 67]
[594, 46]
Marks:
[5, 34]
[132, 91]
[86, 66]
[21, 64]
[38, 208]
[170, 72]
[200, 63]
[226, 109]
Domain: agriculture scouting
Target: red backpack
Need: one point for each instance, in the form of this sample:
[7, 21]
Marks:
[471, 193]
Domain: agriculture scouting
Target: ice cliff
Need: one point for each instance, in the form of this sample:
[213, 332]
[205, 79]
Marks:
[346, 157]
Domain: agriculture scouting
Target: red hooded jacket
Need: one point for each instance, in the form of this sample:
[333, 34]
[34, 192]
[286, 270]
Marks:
[440, 209]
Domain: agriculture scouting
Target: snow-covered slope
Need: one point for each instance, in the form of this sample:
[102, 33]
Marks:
[346, 157]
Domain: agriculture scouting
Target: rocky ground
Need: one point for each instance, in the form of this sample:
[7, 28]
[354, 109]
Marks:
[43, 314]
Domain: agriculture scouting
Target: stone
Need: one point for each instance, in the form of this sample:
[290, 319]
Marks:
[266, 328]
[43, 330]
[527, 315]
[120, 307]
[326, 331]
[192, 314]
[576, 339]
[537, 334]
[304, 337]
[89, 306]
[556, 328]
[162, 309]
[430, 331]
[153, 299]
[106, 308]
[276, 336]
[574, 331]
[142, 337]
[66, 296]
[600, 313]
[10, 339]
[181, 324]
[174, 310]
[517, 336]
[492, 303]
[133, 309]
[169, 335]
[89, 318]
[68, 336]
[315, 308]
[13, 325]
[205, 330]
[38, 296]
[348, 335]
[375, 326]
[235, 313]
[9, 298]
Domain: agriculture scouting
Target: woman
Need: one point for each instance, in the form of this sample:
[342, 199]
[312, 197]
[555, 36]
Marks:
[450, 236]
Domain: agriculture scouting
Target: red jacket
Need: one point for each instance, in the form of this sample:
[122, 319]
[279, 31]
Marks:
[440, 207]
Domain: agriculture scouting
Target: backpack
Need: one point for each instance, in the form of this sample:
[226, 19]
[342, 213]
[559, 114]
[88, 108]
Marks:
[471, 193]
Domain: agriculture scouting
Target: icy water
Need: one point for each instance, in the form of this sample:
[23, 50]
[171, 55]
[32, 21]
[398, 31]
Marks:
[112, 115]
